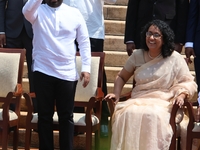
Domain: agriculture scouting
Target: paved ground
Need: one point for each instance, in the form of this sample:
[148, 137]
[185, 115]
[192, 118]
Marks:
[79, 144]
[104, 145]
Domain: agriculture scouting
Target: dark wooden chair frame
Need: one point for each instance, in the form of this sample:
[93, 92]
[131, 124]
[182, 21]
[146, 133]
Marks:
[6, 124]
[192, 120]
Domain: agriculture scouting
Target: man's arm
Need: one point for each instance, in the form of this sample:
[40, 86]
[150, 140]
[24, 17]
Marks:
[182, 7]
[30, 9]
[131, 17]
[84, 44]
[2, 15]
[2, 22]
[192, 20]
[130, 26]
[85, 51]
[191, 28]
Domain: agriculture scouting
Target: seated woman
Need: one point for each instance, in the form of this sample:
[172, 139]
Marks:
[162, 79]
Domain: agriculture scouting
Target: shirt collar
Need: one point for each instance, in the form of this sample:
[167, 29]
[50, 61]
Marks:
[54, 9]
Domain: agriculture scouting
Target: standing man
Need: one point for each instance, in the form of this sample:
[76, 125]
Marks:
[192, 48]
[192, 45]
[92, 11]
[54, 64]
[140, 12]
[16, 32]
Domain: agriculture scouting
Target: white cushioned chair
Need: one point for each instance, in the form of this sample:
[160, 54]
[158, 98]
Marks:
[11, 70]
[90, 98]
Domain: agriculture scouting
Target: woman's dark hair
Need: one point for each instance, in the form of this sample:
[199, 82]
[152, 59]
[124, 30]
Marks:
[167, 34]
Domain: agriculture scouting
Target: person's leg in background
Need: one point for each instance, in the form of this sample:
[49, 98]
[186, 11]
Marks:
[97, 46]
[197, 71]
[27, 42]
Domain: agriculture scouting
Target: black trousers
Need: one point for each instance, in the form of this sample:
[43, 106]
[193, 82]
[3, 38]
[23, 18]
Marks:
[51, 91]
[24, 41]
[197, 70]
[97, 46]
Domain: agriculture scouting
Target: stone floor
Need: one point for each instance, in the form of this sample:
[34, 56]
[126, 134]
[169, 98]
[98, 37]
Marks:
[79, 142]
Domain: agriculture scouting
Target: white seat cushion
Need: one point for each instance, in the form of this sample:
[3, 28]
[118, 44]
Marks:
[12, 114]
[196, 127]
[9, 65]
[35, 118]
[79, 119]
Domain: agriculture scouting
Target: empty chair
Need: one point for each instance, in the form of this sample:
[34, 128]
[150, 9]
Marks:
[11, 70]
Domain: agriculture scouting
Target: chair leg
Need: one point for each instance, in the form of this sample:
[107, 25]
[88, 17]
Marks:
[189, 143]
[15, 138]
[110, 133]
[5, 139]
[1, 137]
[88, 140]
[178, 143]
[173, 143]
[28, 139]
[97, 139]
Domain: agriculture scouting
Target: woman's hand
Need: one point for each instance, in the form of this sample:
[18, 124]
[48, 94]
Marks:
[112, 96]
[180, 100]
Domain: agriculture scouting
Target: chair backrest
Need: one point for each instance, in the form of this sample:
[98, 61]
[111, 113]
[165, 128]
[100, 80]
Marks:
[96, 77]
[11, 69]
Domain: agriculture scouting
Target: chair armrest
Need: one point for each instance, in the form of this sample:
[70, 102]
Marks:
[28, 97]
[6, 106]
[29, 105]
[100, 94]
[111, 102]
[172, 120]
[94, 102]
[19, 90]
[191, 114]
[125, 96]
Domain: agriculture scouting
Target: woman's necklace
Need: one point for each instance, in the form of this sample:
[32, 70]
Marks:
[153, 57]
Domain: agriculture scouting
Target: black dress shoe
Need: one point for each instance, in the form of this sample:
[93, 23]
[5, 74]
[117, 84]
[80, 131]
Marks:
[104, 130]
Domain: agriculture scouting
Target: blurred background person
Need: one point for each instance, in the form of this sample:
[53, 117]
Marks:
[192, 47]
